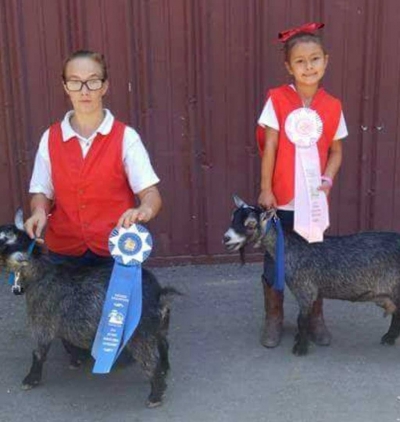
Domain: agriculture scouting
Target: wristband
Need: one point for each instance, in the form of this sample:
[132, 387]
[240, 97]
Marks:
[328, 180]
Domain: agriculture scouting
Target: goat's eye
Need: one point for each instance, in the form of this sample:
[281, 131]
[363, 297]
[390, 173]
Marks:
[250, 225]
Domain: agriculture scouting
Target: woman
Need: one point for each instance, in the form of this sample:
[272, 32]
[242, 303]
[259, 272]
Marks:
[87, 171]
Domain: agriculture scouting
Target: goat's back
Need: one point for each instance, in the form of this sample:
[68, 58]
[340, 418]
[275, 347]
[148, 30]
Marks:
[346, 267]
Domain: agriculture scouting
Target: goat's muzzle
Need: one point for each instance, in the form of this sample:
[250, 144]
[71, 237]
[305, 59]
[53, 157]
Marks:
[233, 241]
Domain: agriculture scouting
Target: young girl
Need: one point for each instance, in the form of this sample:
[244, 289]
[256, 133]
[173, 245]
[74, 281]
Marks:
[88, 169]
[299, 136]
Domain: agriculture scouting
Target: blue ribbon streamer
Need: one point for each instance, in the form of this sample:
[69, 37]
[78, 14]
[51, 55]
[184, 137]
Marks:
[279, 280]
[120, 317]
[122, 307]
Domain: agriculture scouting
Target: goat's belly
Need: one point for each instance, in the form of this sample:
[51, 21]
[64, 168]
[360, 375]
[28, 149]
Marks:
[357, 292]
[77, 341]
[82, 331]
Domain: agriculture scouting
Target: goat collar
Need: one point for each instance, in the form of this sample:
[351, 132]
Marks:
[14, 277]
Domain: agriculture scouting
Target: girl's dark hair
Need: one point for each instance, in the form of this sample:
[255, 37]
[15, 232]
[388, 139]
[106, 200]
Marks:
[97, 57]
[301, 37]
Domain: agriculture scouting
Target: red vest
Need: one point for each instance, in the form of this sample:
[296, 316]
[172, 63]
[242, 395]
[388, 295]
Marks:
[91, 193]
[285, 99]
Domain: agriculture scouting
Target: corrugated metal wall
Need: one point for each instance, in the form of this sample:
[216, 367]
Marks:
[190, 76]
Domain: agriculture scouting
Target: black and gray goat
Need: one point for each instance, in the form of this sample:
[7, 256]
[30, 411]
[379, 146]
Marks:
[66, 302]
[363, 267]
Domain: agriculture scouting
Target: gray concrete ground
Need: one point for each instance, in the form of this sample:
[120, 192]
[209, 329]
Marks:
[220, 372]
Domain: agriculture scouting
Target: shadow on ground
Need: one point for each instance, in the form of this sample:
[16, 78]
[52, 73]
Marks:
[220, 372]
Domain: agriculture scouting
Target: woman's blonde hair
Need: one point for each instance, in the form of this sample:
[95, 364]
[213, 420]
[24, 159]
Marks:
[97, 57]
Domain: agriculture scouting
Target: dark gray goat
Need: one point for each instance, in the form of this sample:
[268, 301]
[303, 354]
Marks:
[65, 301]
[363, 267]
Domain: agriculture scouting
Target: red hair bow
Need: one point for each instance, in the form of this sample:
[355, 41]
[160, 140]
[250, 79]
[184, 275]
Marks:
[308, 27]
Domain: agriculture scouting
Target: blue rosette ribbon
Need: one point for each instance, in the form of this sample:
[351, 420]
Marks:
[122, 308]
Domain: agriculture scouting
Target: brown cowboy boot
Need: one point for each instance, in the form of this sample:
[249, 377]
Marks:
[319, 334]
[273, 304]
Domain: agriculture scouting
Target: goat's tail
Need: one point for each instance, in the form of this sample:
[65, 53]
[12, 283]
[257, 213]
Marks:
[166, 295]
[169, 291]
[165, 303]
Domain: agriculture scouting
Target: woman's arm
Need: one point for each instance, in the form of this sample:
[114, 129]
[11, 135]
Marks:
[40, 208]
[150, 205]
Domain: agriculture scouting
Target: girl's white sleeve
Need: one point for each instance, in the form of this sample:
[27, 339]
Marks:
[341, 131]
[268, 116]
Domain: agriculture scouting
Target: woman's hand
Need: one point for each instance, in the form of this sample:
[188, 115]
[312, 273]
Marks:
[135, 215]
[267, 199]
[150, 205]
[35, 224]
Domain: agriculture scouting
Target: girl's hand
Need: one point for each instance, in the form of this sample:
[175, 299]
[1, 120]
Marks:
[325, 187]
[267, 199]
[35, 224]
[135, 215]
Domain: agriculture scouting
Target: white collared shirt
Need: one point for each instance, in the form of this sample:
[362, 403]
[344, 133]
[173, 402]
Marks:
[138, 168]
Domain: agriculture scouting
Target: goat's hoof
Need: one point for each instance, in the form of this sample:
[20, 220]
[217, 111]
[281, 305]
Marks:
[151, 403]
[76, 362]
[29, 384]
[300, 349]
[75, 365]
[155, 401]
[388, 339]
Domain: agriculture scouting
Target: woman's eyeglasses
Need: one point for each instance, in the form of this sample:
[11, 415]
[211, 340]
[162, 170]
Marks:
[91, 85]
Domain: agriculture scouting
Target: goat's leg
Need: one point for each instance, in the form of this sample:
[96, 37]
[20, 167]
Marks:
[162, 342]
[394, 330]
[165, 320]
[300, 347]
[35, 374]
[158, 383]
[153, 358]
[163, 348]
[77, 355]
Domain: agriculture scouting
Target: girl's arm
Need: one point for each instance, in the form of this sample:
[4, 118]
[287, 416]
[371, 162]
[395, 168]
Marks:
[266, 198]
[333, 165]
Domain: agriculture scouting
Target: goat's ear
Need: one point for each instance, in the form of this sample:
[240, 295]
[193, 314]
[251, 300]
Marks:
[264, 215]
[239, 202]
[19, 219]
[267, 215]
